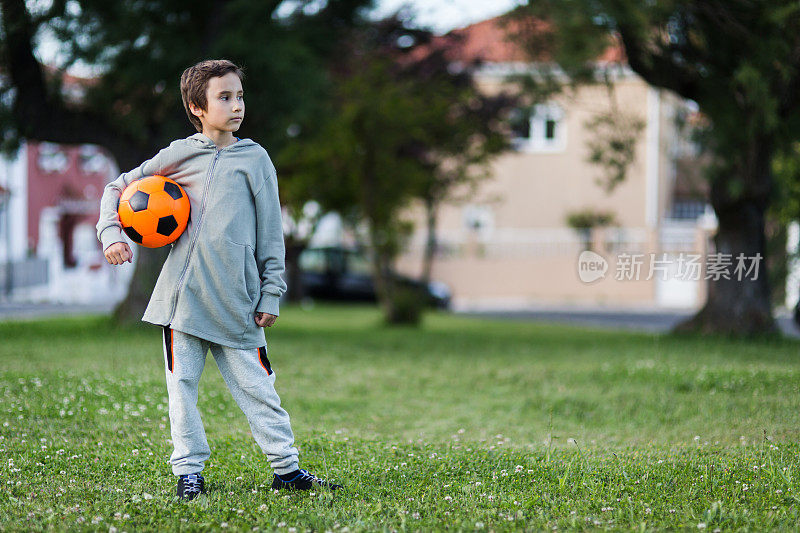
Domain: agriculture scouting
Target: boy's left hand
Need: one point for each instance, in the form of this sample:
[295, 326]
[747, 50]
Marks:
[265, 319]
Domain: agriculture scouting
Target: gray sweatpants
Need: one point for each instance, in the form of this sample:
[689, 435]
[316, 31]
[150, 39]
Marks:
[251, 381]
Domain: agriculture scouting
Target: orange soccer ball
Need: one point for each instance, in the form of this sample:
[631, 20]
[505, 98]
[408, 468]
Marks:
[153, 211]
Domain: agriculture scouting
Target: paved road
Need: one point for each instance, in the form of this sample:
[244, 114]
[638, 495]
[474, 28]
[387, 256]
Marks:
[650, 320]
[15, 310]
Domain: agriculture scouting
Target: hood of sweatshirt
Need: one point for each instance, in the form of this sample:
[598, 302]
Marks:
[202, 141]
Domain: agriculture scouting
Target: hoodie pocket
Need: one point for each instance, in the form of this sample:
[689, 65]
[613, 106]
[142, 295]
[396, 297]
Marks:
[246, 281]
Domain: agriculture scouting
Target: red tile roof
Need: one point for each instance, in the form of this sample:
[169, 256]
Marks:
[491, 41]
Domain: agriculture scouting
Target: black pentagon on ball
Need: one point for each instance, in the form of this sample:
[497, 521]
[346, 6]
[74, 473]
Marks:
[166, 225]
[138, 201]
[133, 234]
[173, 190]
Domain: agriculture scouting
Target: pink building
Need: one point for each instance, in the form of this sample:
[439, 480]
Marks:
[48, 248]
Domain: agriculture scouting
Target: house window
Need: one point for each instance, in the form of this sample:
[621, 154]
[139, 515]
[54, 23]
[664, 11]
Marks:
[51, 159]
[541, 130]
[92, 160]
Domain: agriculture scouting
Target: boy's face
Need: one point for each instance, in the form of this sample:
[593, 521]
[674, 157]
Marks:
[224, 105]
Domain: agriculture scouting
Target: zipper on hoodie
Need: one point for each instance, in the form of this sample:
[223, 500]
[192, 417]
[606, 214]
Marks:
[194, 238]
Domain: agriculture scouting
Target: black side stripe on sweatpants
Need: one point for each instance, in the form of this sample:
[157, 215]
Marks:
[168, 346]
[262, 356]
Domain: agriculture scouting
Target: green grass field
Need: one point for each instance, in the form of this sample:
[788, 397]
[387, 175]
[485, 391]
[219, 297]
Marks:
[463, 424]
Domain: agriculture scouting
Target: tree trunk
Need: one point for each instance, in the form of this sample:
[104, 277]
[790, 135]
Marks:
[145, 273]
[294, 279]
[430, 241]
[148, 260]
[384, 284]
[741, 304]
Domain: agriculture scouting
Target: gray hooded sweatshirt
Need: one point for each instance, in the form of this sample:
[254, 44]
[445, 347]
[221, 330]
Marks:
[228, 262]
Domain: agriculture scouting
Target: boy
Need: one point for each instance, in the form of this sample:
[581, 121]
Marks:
[220, 285]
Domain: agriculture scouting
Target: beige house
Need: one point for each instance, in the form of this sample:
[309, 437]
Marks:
[510, 244]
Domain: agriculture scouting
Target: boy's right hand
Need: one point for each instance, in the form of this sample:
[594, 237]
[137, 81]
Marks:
[118, 253]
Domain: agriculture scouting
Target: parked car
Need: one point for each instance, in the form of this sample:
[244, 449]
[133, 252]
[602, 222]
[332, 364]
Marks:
[337, 273]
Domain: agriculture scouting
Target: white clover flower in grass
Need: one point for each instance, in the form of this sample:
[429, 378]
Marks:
[223, 525]
[701, 525]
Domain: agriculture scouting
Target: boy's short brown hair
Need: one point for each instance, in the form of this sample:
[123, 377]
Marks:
[194, 82]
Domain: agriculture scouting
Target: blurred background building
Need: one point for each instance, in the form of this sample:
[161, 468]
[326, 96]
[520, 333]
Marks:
[511, 244]
[48, 248]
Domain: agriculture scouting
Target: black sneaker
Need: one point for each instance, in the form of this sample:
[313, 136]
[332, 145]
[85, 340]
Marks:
[190, 486]
[302, 480]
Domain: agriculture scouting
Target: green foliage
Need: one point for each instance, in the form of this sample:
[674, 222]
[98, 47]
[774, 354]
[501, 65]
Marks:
[612, 145]
[738, 61]
[140, 49]
[590, 218]
[465, 423]
[399, 126]
[786, 196]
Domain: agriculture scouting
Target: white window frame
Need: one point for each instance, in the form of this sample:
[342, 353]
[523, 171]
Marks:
[537, 142]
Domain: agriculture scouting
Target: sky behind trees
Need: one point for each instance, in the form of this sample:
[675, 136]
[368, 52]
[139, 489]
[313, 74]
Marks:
[444, 15]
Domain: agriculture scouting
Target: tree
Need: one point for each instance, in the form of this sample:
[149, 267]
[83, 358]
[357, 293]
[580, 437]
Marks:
[400, 126]
[739, 60]
[133, 107]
